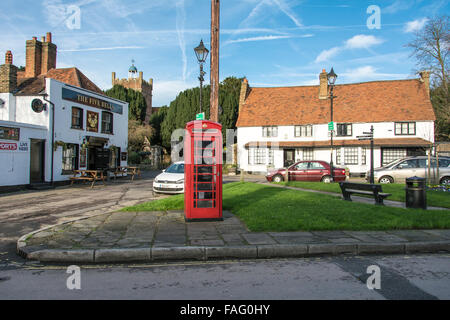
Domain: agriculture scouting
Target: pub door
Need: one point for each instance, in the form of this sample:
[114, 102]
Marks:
[98, 158]
[37, 160]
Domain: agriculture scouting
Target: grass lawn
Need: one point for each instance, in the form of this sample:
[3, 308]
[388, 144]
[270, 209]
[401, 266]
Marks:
[266, 208]
[434, 198]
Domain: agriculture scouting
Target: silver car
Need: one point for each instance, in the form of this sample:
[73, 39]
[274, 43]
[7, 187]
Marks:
[399, 170]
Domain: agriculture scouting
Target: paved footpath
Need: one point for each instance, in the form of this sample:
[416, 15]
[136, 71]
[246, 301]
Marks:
[165, 236]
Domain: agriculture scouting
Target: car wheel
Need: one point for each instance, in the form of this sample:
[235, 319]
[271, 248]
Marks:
[326, 179]
[445, 180]
[278, 178]
[386, 179]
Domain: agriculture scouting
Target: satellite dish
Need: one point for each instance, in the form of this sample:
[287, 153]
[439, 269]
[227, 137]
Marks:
[37, 105]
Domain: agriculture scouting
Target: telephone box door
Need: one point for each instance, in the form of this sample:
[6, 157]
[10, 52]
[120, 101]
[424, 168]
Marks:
[203, 171]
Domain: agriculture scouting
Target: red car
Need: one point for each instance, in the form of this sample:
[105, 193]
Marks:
[308, 171]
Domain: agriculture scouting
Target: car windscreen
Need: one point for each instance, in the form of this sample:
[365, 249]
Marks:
[175, 168]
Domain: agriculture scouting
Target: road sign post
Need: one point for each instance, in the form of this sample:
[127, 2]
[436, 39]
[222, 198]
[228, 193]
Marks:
[369, 136]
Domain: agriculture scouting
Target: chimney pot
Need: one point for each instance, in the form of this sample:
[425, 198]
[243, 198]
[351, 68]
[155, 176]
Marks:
[8, 57]
[49, 37]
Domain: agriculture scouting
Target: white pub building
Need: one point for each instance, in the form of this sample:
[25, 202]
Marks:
[279, 126]
[54, 121]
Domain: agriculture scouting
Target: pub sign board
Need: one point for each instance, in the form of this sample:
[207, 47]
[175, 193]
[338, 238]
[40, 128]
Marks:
[8, 146]
[7, 133]
[92, 121]
[75, 96]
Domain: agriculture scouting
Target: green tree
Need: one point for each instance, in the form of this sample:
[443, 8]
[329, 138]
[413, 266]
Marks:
[156, 120]
[136, 101]
[187, 104]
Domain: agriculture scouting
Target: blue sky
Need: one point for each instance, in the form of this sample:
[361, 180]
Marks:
[271, 42]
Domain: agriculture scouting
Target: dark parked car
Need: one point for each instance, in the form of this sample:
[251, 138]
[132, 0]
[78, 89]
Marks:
[308, 171]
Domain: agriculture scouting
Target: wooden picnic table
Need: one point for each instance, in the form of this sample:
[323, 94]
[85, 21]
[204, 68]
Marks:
[125, 170]
[88, 175]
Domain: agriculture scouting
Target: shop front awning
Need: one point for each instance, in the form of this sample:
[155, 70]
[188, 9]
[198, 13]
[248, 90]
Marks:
[387, 142]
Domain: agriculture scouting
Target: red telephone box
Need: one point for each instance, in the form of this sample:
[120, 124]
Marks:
[203, 171]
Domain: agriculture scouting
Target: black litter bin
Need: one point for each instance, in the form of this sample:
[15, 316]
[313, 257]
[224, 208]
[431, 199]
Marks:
[416, 193]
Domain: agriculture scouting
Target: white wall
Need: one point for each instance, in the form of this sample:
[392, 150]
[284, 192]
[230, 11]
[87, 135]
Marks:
[15, 165]
[424, 130]
[18, 112]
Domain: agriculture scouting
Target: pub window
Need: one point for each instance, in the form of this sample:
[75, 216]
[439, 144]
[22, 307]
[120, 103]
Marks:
[308, 154]
[303, 131]
[405, 128]
[270, 156]
[270, 131]
[392, 154]
[338, 156]
[350, 156]
[344, 129]
[107, 122]
[77, 118]
[70, 158]
[259, 156]
[363, 155]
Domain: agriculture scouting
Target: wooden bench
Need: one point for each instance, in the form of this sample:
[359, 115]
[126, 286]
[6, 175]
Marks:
[122, 171]
[349, 188]
[88, 175]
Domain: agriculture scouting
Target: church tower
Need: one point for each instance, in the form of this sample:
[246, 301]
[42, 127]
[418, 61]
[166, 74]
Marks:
[136, 82]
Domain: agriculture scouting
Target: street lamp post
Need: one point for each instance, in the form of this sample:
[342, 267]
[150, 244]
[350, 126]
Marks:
[331, 80]
[201, 52]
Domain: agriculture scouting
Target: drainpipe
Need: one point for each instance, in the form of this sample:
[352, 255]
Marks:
[45, 95]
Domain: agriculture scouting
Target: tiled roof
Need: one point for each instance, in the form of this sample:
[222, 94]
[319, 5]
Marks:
[378, 101]
[386, 142]
[71, 76]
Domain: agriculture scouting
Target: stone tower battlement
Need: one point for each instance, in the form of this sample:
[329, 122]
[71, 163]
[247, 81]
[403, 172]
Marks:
[138, 84]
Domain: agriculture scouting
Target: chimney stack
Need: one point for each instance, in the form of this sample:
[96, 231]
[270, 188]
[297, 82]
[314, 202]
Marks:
[48, 54]
[244, 92]
[425, 78]
[323, 88]
[8, 75]
[33, 58]
[40, 56]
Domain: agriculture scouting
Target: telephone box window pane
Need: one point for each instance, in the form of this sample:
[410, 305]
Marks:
[205, 204]
[204, 178]
[204, 169]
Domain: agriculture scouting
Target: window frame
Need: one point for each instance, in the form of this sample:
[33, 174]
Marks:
[75, 163]
[303, 130]
[408, 128]
[81, 113]
[103, 130]
[309, 152]
[347, 126]
[270, 131]
[351, 155]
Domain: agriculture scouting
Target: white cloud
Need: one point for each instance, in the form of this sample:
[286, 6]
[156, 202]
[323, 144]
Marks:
[415, 25]
[326, 55]
[359, 41]
[287, 11]
[362, 41]
[368, 73]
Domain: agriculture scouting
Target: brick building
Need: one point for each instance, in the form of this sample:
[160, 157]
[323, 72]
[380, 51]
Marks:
[137, 82]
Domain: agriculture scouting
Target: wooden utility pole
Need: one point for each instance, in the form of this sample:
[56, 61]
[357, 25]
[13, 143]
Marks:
[214, 59]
